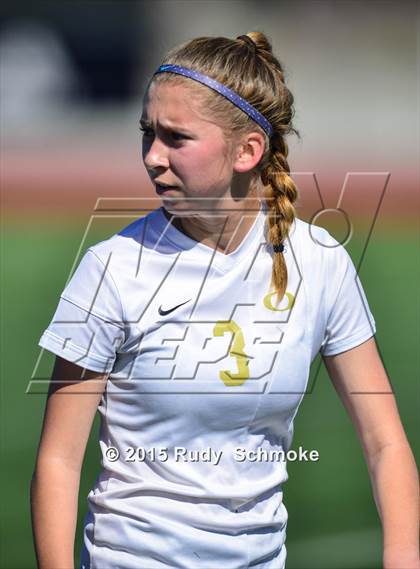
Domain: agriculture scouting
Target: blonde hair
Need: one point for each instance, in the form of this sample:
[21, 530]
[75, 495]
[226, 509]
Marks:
[252, 71]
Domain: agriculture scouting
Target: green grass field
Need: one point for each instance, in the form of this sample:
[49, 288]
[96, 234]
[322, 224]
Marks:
[332, 516]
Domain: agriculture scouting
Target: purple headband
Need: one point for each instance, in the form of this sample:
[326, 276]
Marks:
[223, 90]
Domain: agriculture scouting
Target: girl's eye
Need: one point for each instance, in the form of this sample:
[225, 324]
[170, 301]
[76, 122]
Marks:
[176, 136]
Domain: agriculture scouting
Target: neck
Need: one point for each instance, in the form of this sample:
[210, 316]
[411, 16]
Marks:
[222, 228]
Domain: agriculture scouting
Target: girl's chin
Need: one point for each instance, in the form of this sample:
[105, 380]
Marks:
[184, 205]
[175, 205]
[175, 198]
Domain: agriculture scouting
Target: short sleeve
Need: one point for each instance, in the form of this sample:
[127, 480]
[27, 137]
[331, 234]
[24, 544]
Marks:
[88, 325]
[349, 321]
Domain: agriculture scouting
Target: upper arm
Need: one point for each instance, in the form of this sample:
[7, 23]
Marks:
[73, 398]
[362, 384]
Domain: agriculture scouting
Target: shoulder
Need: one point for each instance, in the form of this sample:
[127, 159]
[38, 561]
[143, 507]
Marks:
[312, 236]
[144, 231]
[103, 269]
[318, 254]
[312, 242]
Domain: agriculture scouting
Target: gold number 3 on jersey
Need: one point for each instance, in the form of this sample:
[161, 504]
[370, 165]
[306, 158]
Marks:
[238, 343]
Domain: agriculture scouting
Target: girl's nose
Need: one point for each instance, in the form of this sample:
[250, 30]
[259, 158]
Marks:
[155, 154]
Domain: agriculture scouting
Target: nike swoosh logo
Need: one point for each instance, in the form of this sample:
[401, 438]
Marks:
[165, 312]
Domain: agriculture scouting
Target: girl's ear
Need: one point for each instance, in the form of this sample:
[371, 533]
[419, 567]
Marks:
[249, 152]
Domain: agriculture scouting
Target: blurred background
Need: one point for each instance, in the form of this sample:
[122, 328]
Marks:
[72, 79]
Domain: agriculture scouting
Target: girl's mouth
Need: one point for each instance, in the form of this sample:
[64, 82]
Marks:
[164, 189]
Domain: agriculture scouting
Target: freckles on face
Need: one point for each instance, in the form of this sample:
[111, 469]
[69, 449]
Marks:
[184, 147]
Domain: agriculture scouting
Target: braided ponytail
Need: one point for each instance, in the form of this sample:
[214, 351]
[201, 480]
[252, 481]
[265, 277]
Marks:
[280, 192]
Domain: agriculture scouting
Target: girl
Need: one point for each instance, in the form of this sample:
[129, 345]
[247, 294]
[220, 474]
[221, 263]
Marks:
[192, 331]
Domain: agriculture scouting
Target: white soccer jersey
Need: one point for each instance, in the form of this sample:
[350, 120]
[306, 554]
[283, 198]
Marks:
[202, 363]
